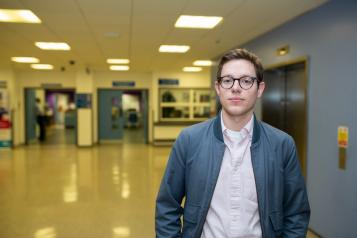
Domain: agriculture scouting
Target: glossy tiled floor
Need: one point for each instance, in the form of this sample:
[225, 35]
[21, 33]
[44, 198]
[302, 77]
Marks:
[63, 191]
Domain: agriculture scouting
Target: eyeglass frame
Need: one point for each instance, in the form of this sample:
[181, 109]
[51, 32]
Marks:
[238, 79]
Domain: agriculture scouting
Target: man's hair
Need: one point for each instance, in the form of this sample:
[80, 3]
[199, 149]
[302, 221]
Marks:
[244, 54]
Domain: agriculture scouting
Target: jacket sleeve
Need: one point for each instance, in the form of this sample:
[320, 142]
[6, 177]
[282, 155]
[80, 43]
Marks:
[296, 205]
[172, 190]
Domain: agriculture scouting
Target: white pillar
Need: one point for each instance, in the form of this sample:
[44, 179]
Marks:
[84, 85]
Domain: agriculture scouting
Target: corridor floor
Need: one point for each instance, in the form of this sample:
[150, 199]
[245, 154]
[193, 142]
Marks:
[106, 191]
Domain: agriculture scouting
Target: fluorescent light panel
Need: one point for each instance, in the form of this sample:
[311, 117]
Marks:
[53, 45]
[192, 69]
[119, 67]
[42, 66]
[174, 48]
[118, 61]
[18, 16]
[205, 22]
[25, 59]
[202, 63]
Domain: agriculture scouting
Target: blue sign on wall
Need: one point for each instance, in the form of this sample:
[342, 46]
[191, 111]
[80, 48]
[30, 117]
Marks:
[83, 100]
[169, 82]
[123, 84]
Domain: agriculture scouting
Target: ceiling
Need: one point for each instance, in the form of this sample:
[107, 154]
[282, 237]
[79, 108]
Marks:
[134, 29]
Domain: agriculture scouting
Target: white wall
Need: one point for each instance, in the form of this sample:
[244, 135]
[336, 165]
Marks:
[131, 102]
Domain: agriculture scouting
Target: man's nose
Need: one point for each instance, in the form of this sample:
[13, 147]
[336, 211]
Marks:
[236, 86]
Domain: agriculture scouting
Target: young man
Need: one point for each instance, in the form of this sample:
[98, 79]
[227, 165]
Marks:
[240, 177]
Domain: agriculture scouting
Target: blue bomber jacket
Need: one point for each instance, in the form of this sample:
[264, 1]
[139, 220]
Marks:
[192, 172]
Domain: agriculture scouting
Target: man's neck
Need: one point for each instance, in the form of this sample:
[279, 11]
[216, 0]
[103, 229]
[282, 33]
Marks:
[235, 123]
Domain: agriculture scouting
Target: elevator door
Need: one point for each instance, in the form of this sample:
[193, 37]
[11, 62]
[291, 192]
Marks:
[284, 103]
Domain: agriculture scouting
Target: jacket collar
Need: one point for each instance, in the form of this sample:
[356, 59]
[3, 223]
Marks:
[217, 129]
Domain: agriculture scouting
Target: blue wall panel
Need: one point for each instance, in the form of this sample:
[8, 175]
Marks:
[328, 36]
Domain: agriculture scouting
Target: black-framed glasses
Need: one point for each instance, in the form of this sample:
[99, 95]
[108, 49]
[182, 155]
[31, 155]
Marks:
[245, 82]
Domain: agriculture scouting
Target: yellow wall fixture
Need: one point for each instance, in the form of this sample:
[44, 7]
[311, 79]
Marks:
[18, 16]
[283, 50]
[342, 141]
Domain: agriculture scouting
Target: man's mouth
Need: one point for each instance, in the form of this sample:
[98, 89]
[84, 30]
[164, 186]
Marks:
[235, 99]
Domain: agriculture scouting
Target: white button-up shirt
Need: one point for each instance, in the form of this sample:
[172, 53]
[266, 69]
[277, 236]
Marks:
[233, 211]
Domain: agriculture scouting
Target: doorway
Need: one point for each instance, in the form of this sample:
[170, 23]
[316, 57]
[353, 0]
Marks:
[123, 116]
[54, 110]
[284, 103]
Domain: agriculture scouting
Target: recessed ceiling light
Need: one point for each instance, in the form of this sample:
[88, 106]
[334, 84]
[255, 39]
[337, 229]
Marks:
[205, 22]
[192, 69]
[119, 67]
[25, 59]
[118, 61]
[174, 48]
[52, 45]
[42, 66]
[202, 63]
[19, 16]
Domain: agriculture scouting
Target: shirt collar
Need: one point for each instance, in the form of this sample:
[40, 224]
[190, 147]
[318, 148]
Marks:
[246, 130]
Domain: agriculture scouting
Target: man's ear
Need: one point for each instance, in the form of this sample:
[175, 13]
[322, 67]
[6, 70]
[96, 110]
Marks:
[217, 87]
[261, 89]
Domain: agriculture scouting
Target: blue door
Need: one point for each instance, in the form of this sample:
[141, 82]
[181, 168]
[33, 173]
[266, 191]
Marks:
[111, 119]
[30, 115]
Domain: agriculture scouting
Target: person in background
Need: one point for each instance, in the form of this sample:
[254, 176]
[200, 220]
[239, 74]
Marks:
[240, 177]
[41, 120]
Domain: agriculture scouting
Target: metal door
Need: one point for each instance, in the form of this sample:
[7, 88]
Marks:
[111, 120]
[144, 103]
[295, 110]
[30, 116]
[284, 103]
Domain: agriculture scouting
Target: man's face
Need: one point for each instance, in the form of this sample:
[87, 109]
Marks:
[238, 102]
